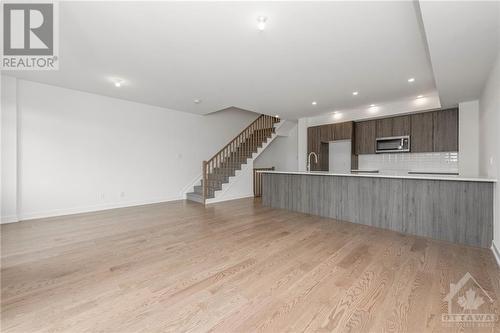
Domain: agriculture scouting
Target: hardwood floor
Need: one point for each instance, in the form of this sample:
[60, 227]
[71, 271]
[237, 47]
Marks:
[231, 267]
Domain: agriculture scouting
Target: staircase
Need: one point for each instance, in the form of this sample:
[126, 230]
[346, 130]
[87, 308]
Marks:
[223, 165]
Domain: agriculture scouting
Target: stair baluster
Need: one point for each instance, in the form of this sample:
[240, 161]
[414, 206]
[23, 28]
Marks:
[218, 169]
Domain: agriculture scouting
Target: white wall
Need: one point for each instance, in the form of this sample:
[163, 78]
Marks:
[468, 138]
[282, 154]
[81, 152]
[489, 139]
[9, 150]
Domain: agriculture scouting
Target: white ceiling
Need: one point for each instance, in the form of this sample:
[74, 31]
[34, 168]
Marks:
[170, 53]
[463, 39]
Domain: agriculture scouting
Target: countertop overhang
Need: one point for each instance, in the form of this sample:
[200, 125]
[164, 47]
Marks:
[365, 175]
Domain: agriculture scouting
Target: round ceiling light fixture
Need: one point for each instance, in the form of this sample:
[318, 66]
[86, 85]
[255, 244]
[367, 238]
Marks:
[411, 80]
[261, 22]
[373, 109]
[355, 93]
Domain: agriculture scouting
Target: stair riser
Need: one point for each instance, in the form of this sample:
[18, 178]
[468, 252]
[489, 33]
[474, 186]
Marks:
[214, 184]
[199, 190]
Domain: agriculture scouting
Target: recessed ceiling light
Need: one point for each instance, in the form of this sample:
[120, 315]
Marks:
[314, 103]
[197, 101]
[277, 116]
[261, 22]
[373, 108]
[420, 96]
[355, 93]
[118, 83]
[337, 115]
[412, 79]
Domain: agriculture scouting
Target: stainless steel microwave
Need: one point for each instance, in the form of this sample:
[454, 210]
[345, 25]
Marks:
[393, 144]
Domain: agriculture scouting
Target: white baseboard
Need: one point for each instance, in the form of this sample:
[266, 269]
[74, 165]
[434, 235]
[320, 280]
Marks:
[88, 209]
[496, 253]
[9, 219]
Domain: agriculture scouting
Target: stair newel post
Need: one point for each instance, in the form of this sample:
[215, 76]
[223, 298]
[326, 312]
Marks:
[205, 171]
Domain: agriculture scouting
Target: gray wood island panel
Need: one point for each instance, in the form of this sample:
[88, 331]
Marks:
[450, 210]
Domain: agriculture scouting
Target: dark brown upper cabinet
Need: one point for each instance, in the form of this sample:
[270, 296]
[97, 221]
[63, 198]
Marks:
[422, 132]
[401, 126]
[384, 127]
[327, 132]
[445, 134]
[339, 131]
[434, 131]
[343, 131]
[394, 126]
[364, 136]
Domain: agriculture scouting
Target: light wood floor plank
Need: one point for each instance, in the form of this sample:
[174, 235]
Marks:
[231, 267]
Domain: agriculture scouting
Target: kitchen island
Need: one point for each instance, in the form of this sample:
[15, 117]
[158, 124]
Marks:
[449, 208]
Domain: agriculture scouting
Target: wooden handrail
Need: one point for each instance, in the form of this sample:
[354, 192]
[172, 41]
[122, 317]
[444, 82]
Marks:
[246, 128]
[239, 147]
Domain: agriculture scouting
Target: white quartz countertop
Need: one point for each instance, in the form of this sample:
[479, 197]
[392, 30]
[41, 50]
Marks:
[377, 175]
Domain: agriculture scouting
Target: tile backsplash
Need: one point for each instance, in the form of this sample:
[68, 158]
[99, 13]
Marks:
[401, 163]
